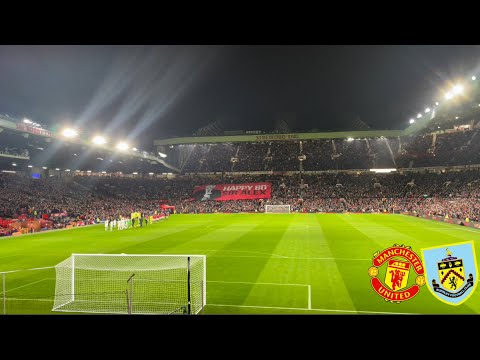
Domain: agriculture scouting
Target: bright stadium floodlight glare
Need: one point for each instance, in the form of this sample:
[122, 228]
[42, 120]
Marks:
[457, 89]
[27, 121]
[122, 146]
[411, 121]
[456, 117]
[30, 166]
[427, 110]
[383, 170]
[448, 95]
[150, 173]
[474, 78]
[350, 139]
[437, 103]
[57, 169]
[13, 164]
[162, 154]
[89, 171]
[44, 167]
[134, 149]
[419, 116]
[135, 173]
[99, 140]
[67, 170]
[104, 172]
[69, 133]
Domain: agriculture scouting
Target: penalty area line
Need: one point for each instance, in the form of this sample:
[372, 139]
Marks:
[39, 268]
[254, 283]
[19, 287]
[320, 310]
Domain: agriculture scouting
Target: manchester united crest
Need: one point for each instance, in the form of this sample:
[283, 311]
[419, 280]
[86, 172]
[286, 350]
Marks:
[451, 271]
[394, 265]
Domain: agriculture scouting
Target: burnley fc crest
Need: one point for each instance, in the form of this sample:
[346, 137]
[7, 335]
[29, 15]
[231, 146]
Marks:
[451, 271]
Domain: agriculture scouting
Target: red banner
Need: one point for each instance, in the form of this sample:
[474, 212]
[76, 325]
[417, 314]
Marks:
[224, 192]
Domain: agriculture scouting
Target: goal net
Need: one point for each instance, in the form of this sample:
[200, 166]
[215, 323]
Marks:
[277, 208]
[131, 284]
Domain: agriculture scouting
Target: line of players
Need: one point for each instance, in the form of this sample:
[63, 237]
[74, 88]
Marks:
[125, 223]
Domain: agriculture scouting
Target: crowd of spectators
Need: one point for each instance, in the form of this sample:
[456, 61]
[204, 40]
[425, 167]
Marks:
[69, 199]
[421, 150]
[94, 198]
[16, 151]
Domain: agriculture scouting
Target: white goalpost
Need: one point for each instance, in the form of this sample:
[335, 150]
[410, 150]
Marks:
[276, 209]
[131, 284]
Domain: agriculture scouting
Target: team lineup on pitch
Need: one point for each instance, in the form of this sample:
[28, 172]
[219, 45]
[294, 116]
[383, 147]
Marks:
[255, 263]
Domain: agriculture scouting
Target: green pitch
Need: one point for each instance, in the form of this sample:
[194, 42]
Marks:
[256, 264]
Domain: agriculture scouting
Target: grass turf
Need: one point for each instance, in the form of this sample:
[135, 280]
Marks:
[256, 263]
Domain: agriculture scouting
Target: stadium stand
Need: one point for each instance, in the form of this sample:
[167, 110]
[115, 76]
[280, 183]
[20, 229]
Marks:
[92, 198]
[437, 173]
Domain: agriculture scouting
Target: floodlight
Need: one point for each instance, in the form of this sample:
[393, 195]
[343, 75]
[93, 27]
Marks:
[122, 146]
[69, 133]
[457, 89]
[99, 140]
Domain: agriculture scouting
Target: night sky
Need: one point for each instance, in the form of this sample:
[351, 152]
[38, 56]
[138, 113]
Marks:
[149, 92]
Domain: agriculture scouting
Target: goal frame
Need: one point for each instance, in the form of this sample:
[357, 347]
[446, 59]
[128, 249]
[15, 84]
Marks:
[275, 212]
[187, 268]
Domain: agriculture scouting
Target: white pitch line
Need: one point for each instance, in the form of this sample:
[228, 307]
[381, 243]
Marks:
[24, 299]
[325, 258]
[458, 227]
[309, 297]
[305, 309]
[40, 268]
[287, 257]
[19, 287]
[255, 283]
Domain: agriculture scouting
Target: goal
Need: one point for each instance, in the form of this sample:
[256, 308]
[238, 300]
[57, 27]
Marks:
[131, 284]
[277, 209]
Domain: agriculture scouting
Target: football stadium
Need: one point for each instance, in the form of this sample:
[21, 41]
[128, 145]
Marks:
[350, 220]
